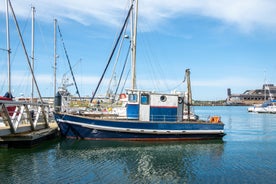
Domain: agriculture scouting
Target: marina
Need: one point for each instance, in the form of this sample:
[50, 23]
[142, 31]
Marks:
[244, 155]
[128, 130]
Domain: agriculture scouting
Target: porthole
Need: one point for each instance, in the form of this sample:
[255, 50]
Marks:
[163, 98]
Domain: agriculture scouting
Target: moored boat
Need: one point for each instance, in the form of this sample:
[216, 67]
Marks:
[268, 106]
[8, 97]
[148, 115]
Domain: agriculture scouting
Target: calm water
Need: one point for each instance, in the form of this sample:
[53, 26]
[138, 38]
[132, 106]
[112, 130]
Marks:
[247, 154]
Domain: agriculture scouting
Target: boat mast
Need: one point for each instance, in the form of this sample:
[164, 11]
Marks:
[55, 56]
[8, 48]
[189, 103]
[133, 45]
[32, 50]
[24, 49]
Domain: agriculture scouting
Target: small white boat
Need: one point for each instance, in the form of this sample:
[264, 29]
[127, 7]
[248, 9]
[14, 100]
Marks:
[266, 107]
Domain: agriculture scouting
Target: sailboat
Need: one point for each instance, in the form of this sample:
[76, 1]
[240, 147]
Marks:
[8, 95]
[150, 116]
[268, 106]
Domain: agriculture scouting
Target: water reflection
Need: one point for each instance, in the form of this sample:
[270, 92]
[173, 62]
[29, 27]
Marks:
[80, 161]
[175, 162]
[27, 165]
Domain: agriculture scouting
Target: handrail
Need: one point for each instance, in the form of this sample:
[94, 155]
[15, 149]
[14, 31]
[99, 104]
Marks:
[23, 102]
[20, 117]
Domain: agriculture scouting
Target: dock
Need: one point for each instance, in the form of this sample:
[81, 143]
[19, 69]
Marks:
[24, 124]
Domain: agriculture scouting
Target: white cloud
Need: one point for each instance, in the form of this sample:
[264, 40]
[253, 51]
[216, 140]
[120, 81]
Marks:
[82, 11]
[245, 14]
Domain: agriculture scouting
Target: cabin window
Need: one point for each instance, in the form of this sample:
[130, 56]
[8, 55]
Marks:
[163, 98]
[132, 97]
[144, 99]
[180, 100]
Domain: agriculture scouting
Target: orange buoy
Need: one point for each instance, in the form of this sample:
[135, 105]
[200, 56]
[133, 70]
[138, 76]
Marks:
[215, 119]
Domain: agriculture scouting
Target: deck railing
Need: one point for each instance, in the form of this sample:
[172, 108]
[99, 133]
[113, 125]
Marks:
[19, 117]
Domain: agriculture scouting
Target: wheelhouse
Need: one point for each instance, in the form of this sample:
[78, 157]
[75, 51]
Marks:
[150, 106]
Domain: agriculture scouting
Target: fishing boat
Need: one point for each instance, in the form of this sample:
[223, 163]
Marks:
[150, 116]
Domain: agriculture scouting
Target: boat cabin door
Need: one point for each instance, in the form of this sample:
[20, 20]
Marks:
[144, 110]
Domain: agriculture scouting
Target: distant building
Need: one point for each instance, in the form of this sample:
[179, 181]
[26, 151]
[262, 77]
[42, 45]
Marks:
[250, 97]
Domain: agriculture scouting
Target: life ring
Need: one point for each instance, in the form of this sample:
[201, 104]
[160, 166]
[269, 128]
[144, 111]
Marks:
[122, 96]
[215, 119]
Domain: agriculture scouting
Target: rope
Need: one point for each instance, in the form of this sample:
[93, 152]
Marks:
[68, 62]
[112, 53]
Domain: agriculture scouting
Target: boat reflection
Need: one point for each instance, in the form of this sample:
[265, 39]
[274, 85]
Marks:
[146, 162]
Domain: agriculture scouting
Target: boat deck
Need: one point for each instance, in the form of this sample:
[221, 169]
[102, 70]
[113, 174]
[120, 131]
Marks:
[115, 117]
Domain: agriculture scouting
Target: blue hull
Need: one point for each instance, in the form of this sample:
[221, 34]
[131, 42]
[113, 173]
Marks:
[78, 127]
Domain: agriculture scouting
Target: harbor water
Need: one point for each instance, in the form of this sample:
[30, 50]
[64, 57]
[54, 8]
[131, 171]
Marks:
[246, 154]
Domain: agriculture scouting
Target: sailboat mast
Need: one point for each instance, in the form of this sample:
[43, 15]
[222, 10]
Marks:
[8, 47]
[133, 45]
[25, 51]
[55, 56]
[32, 50]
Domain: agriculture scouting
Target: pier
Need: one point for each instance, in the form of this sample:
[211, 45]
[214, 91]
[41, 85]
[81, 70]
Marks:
[24, 124]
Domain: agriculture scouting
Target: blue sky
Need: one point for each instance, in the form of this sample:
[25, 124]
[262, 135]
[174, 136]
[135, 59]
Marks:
[226, 44]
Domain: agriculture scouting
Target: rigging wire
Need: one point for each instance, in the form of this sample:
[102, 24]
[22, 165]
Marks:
[47, 49]
[123, 69]
[112, 80]
[15, 52]
[112, 53]
[115, 64]
[156, 73]
[68, 61]
[108, 91]
[25, 52]
[125, 81]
